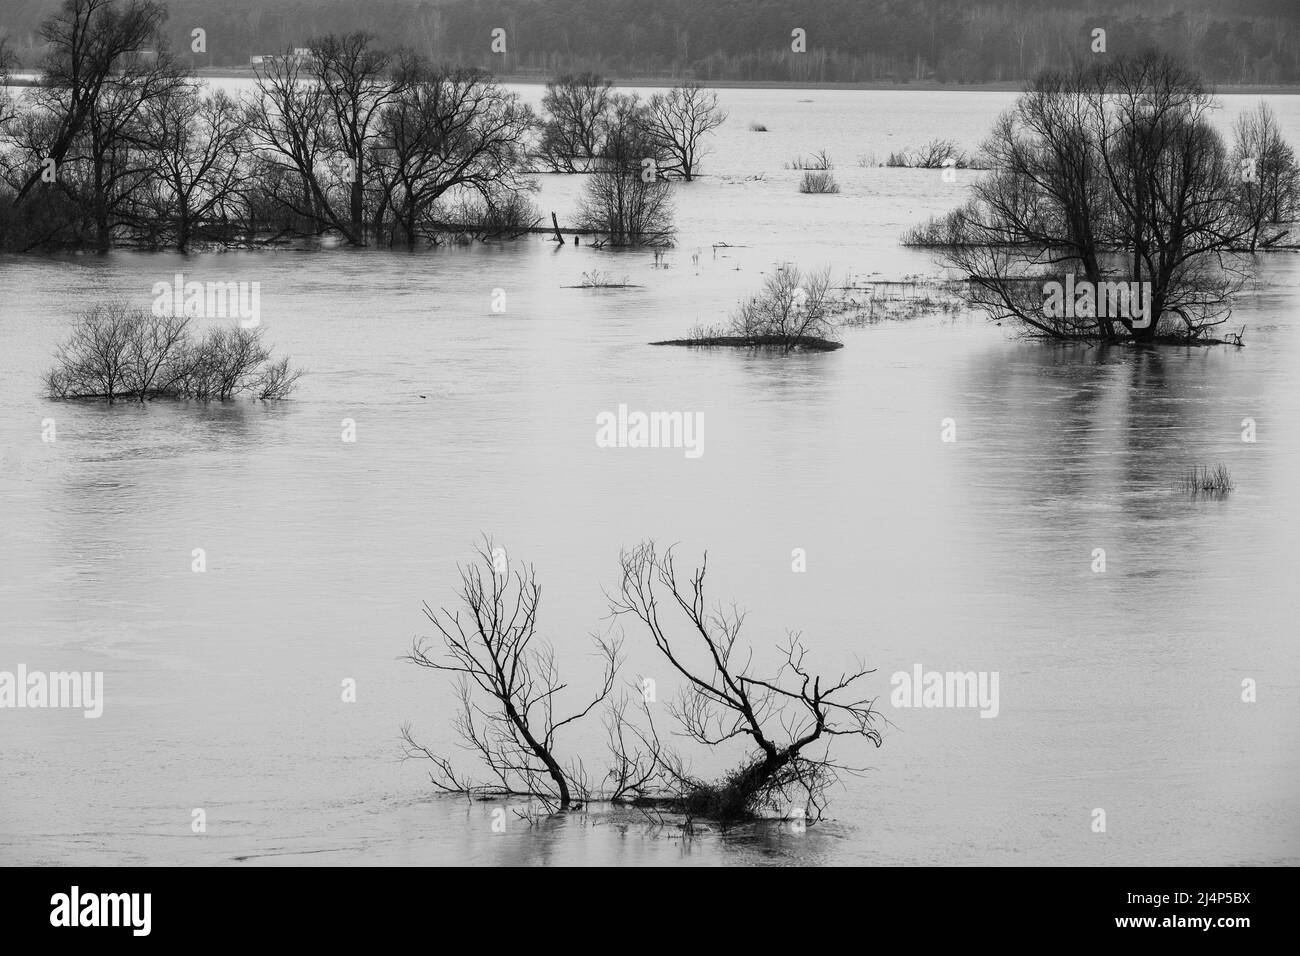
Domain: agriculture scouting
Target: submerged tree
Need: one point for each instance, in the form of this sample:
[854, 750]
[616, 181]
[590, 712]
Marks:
[73, 164]
[197, 145]
[291, 125]
[1113, 172]
[627, 202]
[576, 111]
[1269, 176]
[508, 684]
[118, 143]
[90, 42]
[119, 353]
[790, 715]
[450, 146]
[678, 121]
[7, 62]
[353, 75]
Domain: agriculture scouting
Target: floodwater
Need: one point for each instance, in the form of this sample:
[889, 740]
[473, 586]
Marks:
[1118, 690]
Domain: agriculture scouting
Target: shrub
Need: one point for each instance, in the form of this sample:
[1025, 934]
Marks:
[819, 183]
[595, 279]
[117, 352]
[933, 155]
[792, 307]
[818, 161]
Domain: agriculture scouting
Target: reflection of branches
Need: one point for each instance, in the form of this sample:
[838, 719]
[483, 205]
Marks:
[508, 686]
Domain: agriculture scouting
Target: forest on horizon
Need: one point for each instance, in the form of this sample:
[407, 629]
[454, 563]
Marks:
[901, 41]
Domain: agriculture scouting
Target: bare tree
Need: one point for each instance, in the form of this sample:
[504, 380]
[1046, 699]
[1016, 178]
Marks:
[114, 149]
[933, 155]
[116, 352]
[89, 41]
[232, 358]
[297, 146]
[96, 360]
[154, 357]
[790, 716]
[679, 120]
[278, 380]
[1268, 176]
[450, 135]
[1115, 172]
[7, 62]
[627, 202]
[197, 146]
[576, 110]
[508, 682]
[353, 76]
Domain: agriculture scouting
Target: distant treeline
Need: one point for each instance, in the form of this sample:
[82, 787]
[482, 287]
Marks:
[953, 41]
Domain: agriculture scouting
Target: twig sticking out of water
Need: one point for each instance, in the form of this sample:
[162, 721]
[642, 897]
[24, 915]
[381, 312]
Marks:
[1203, 480]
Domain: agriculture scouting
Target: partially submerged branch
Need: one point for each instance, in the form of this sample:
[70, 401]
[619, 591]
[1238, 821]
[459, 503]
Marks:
[509, 683]
[790, 716]
[509, 686]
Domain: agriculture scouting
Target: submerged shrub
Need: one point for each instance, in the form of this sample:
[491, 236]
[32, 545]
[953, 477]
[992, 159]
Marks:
[820, 161]
[116, 352]
[819, 183]
[791, 308]
[1203, 480]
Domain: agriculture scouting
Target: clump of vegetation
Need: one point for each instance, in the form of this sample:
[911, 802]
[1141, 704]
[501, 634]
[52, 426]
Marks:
[595, 279]
[117, 353]
[804, 311]
[940, 232]
[757, 128]
[818, 161]
[865, 302]
[818, 183]
[512, 709]
[1201, 480]
[791, 308]
[936, 154]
